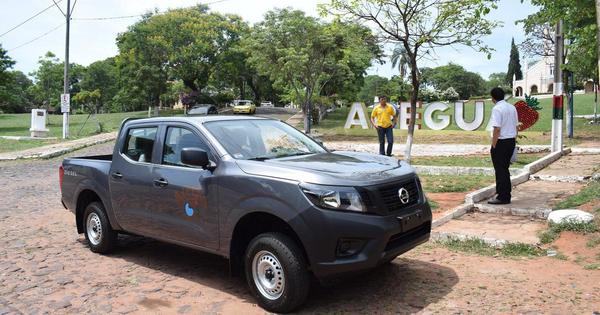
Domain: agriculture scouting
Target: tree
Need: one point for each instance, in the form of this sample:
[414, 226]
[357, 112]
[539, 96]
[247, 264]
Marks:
[580, 31]
[497, 79]
[14, 95]
[48, 79]
[454, 76]
[181, 44]
[514, 64]
[301, 54]
[373, 86]
[421, 27]
[102, 76]
[400, 57]
[5, 63]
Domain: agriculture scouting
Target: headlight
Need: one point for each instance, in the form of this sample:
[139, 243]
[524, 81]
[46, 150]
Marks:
[333, 197]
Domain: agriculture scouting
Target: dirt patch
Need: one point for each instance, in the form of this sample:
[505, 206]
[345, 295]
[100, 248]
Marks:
[574, 246]
[447, 201]
[591, 206]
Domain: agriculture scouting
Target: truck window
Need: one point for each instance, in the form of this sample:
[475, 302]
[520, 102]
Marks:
[177, 139]
[139, 144]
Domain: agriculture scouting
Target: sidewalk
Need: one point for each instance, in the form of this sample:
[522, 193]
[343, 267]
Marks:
[428, 149]
[53, 150]
[524, 219]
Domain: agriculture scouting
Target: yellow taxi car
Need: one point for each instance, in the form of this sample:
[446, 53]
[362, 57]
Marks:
[244, 107]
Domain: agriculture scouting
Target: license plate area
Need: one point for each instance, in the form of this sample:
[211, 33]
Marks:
[411, 220]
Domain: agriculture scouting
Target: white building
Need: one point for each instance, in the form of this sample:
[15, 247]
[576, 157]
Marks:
[537, 78]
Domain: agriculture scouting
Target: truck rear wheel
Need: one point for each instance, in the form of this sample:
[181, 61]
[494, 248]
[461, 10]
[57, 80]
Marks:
[99, 234]
[276, 272]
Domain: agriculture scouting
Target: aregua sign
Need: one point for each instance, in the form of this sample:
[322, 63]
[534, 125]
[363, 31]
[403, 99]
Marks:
[434, 116]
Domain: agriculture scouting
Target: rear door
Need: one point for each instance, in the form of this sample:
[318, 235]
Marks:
[130, 177]
[187, 210]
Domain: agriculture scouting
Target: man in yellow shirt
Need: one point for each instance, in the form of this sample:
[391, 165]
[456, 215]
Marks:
[383, 119]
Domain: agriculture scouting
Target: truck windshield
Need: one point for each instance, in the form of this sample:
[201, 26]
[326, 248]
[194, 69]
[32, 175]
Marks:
[261, 139]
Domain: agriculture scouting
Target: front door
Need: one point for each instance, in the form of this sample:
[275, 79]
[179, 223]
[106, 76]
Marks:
[187, 208]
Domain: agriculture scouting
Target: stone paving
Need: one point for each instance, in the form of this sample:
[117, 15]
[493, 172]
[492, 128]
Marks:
[53, 150]
[427, 149]
[46, 268]
[495, 227]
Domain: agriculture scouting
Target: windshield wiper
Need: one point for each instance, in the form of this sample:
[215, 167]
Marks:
[261, 158]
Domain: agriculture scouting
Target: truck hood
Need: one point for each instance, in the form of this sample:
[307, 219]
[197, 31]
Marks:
[339, 168]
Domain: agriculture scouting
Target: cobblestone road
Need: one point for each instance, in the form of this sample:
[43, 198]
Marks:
[45, 267]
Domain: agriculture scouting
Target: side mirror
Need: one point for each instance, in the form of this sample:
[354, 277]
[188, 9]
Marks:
[194, 157]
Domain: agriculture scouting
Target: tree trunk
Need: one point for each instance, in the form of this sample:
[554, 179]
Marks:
[413, 107]
[307, 111]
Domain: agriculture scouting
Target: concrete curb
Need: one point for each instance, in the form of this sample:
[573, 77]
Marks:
[539, 213]
[452, 214]
[529, 169]
[561, 179]
[540, 164]
[446, 236]
[586, 150]
[54, 150]
[458, 170]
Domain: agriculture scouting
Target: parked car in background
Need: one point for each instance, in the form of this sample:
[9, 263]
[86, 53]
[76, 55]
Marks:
[203, 109]
[266, 104]
[244, 107]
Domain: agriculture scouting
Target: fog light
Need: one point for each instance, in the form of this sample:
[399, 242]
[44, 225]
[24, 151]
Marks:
[347, 247]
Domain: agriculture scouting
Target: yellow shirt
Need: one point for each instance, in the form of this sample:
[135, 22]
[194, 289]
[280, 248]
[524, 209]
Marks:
[383, 116]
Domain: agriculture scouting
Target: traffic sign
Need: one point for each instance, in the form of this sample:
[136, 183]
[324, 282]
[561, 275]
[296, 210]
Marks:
[65, 103]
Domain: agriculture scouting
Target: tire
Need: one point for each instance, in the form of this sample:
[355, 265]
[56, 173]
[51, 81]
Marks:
[99, 234]
[276, 272]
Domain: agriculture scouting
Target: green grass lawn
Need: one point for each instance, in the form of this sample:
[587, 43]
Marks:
[589, 193]
[472, 160]
[332, 128]
[454, 183]
[19, 124]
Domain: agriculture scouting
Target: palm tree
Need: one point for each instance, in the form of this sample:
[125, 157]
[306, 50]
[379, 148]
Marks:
[400, 58]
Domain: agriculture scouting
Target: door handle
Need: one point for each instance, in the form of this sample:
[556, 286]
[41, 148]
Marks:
[117, 175]
[161, 182]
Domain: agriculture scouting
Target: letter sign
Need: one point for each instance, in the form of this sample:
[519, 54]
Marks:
[443, 120]
[361, 110]
[459, 116]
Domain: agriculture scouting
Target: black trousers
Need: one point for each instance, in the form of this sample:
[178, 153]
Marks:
[382, 134]
[501, 158]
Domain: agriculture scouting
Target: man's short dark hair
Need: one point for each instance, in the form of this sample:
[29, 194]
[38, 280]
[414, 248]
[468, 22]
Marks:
[497, 94]
[382, 96]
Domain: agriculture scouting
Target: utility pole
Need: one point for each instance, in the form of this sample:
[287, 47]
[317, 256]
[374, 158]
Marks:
[66, 99]
[557, 100]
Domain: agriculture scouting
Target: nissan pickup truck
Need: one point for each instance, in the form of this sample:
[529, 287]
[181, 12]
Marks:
[276, 203]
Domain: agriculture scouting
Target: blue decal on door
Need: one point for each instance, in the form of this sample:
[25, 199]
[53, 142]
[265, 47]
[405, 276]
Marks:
[189, 210]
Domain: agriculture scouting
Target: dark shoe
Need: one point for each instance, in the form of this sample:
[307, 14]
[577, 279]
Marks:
[497, 201]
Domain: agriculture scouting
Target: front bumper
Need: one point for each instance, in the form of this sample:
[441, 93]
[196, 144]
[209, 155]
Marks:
[382, 237]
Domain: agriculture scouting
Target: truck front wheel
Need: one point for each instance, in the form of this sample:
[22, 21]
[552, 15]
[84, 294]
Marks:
[276, 272]
[99, 234]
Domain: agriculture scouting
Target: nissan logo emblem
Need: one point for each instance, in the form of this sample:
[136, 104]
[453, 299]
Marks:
[404, 196]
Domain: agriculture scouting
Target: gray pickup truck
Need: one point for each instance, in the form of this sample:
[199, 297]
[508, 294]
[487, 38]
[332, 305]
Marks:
[275, 202]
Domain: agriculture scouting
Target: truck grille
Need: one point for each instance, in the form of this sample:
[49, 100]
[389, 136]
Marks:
[390, 197]
[384, 199]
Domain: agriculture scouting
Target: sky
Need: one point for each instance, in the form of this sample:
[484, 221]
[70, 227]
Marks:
[93, 40]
